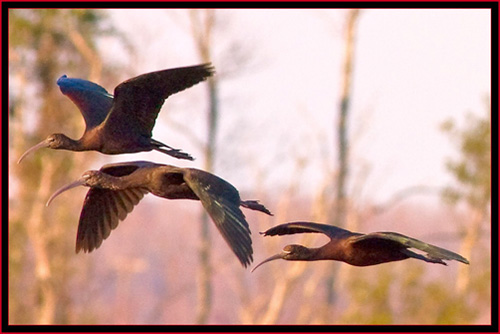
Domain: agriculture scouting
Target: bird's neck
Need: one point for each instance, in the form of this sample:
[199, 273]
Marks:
[70, 144]
[334, 250]
[113, 182]
[308, 254]
[315, 254]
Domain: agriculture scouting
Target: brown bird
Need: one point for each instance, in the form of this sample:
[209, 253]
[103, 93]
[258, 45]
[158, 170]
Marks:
[357, 249]
[116, 188]
[123, 123]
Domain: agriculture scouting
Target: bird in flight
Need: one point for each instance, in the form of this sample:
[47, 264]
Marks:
[357, 249]
[116, 188]
[123, 123]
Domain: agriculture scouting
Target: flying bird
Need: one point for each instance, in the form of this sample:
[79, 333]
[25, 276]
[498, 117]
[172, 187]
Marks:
[116, 188]
[123, 123]
[357, 249]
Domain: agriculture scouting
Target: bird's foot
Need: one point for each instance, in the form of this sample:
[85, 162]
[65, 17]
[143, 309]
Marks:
[255, 205]
[179, 154]
[176, 153]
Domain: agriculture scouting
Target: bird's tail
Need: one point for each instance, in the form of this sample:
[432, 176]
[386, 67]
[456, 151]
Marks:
[255, 205]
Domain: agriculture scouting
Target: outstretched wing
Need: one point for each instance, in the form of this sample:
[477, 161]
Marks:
[222, 202]
[101, 212]
[433, 253]
[138, 100]
[93, 100]
[306, 227]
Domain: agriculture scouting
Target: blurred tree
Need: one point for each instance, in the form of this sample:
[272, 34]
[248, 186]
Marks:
[370, 299]
[320, 284]
[282, 287]
[343, 142]
[423, 300]
[205, 25]
[472, 172]
[202, 26]
[43, 45]
[340, 207]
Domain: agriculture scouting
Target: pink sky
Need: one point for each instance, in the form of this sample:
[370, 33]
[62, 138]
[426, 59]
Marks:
[413, 70]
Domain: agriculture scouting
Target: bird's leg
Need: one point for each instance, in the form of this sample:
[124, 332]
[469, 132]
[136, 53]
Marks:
[422, 257]
[255, 205]
[176, 153]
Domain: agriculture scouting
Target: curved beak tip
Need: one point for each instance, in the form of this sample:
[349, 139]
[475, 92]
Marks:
[22, 158]
[54, 195]
[274, 257]
[63, 189]
[32, 149]
[50, 200]
[257, 266]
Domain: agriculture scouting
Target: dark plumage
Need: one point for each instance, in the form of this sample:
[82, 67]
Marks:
[116, 188]
[357, 249]
[123, 123]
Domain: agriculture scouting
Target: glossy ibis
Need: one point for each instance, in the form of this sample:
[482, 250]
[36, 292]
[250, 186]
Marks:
[123, 123]
[116, 188]
[357, 249]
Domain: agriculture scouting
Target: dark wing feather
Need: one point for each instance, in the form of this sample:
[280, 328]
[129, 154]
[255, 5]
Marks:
[306, 227]
[433, 253]
[138, 100]
[93, 100]
[125, 168]
[222, 201]
[101, 212]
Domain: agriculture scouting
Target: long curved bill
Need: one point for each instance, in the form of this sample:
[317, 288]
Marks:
[274, 257]
[72, 185]
[33, 149]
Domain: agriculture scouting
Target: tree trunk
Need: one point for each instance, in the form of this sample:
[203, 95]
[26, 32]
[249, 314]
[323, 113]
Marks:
[202, 30]
[42, 266]
[343, 144]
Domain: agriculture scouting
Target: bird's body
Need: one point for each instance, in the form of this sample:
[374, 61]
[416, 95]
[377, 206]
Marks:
[123, 123]
[357, 249]
[116, 188]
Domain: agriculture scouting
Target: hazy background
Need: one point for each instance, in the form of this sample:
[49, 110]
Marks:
[279, 76]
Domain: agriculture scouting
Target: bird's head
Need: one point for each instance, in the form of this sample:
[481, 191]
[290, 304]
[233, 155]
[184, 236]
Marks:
[290, 253]
[88, 179]
[54, 141]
